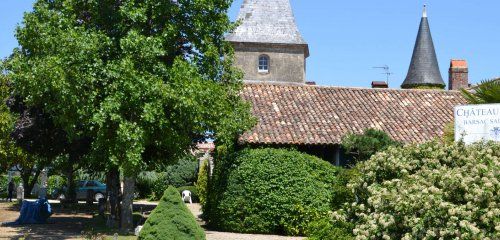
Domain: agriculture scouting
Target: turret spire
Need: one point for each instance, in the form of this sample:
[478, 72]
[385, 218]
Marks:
[424, 67]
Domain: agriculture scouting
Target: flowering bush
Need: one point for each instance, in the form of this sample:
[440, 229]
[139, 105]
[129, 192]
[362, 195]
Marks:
[429, 191]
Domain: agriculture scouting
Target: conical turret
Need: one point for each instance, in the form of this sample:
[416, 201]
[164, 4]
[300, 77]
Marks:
[424, 67]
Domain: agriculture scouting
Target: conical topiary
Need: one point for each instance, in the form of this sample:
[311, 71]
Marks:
[171, 220]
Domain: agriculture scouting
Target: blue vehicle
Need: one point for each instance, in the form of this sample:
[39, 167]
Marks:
[84, 187]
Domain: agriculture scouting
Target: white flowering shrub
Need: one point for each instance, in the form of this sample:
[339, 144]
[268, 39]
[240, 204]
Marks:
[429, 191]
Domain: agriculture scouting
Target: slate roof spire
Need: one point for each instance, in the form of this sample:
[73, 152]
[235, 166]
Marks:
[266, 21]
[424, 67]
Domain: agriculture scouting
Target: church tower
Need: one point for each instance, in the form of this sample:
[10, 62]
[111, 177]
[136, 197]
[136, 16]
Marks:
[268, 45]
[424, 68]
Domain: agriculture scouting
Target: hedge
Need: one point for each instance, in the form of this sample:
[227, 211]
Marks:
[171, 219]
[271, 191]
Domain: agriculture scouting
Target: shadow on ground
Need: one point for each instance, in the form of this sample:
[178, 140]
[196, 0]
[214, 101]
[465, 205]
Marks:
[67, 222]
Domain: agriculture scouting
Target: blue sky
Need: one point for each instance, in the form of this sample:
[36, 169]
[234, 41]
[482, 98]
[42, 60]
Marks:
[348, 38]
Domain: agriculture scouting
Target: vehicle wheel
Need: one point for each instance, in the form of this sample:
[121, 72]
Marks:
[98, 196]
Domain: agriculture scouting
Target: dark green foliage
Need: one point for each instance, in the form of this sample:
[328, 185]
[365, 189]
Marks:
[326, 229]
[269, 191]
[171, 220]
[183, 173]
[145, 184]
[55, 182]
[485, 92]
[4, 183]
[363, 146]
[341, 193]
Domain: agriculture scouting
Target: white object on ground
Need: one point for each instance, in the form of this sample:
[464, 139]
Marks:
[186, 196]
[138, 230]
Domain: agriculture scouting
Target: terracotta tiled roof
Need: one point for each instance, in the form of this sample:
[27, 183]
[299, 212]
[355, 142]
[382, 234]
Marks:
[314, 115]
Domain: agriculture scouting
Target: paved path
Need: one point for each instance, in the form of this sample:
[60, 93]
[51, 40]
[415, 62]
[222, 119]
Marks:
[213, 235]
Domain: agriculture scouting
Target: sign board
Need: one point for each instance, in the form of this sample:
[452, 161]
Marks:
[474, 123]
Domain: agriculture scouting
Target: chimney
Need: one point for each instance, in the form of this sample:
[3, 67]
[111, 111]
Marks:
[380, 84]
[458, 75]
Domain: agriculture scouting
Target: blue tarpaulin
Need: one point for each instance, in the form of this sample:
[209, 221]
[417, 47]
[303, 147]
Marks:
[34, 212]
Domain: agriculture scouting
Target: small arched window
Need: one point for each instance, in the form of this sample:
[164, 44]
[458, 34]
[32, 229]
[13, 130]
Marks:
[263, 64]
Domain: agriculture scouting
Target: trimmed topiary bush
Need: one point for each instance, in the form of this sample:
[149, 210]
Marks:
[429, 191]
[272, 191]
[202, 183]
[171, 219]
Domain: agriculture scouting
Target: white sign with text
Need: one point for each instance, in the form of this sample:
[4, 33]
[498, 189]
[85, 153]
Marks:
[474, 123]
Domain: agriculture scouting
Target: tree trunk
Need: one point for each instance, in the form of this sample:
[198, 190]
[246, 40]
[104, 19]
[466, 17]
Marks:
[28, 181]
[113, 192]
[26, 184]
[71, 184]
[127, 203]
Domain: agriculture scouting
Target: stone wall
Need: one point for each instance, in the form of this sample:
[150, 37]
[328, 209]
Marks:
[287, 62]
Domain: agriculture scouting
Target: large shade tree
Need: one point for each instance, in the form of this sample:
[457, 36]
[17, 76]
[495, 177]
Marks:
[142, 78]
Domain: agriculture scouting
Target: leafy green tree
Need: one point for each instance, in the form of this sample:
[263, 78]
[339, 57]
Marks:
[143, 79]
[13, 157]
[485, 92]
[363, 146]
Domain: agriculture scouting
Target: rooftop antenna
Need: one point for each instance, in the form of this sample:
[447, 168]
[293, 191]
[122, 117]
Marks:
[386, 72]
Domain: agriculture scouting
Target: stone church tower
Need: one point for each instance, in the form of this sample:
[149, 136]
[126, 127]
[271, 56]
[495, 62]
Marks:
[267, 43]
[424, 67]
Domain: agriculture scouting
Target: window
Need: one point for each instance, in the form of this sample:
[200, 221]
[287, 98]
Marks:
[91, 184]
[264, 64]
